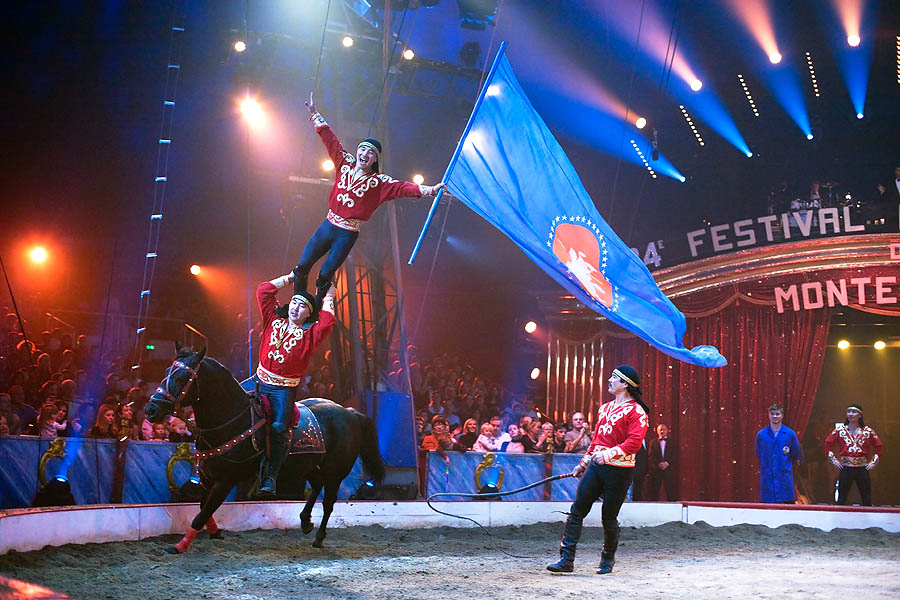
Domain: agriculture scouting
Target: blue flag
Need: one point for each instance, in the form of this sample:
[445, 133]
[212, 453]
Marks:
[513, 172]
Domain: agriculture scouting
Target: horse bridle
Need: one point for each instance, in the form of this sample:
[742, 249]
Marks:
[164, 390]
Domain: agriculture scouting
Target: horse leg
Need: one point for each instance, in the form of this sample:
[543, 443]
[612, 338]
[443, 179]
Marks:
[212, 528]
[213, 502]
[315, 486]
[331, 490]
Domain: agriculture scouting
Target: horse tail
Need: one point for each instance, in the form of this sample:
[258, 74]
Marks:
[368, 451]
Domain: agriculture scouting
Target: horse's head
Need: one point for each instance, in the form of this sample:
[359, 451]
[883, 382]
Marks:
[177, 388]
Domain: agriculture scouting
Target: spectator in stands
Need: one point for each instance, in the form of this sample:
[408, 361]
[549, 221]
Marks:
[125, 424]
[105, 425]
[515, 445]
[501, 436]
[47, 425]
[420, 430]
[11, 419]
[72, 427]
[160, 432]
[486, 442]
[469, 434]
[439, 427]
[579, 438]
[49, 392]
[559, 438]
[26, 414]
[530, 433]
[545, 440]
[4, 426]
[178, 431]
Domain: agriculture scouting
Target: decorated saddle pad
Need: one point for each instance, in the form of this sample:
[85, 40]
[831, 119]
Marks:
[307, 436]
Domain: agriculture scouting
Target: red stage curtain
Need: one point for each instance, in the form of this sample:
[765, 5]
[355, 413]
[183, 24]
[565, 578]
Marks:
[715, 414]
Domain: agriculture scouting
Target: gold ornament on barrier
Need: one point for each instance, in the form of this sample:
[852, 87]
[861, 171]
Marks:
[182, 452]
[487, 462]
[57, 449]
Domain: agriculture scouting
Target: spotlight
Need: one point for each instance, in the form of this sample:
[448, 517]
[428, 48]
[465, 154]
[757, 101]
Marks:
[535, 373]
[859, 115]
[38, 254]
[774, 58]
[408, 54]
[327, 165]
[56, 492]
[347, 41]
[843, 344]
[195, 269]
[879, 345]
[240, 46]
[640, 123]
[252, 111]
[418, 179]
[696, 85]
[853, 40]
[530, 327]
[368, 490]
[809, 136]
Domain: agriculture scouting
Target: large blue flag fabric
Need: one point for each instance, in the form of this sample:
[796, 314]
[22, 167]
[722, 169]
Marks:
[513, 172]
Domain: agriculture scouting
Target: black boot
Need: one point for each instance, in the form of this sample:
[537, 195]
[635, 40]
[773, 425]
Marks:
[300, 280]
[269, 467]
[322, 286]
[610, 543]
[571, 535]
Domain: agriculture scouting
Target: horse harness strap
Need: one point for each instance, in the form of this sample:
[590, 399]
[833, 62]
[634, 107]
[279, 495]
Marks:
[230, 443]
[164, 390]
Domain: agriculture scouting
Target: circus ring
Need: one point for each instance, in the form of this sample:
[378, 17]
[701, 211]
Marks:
[380, 549]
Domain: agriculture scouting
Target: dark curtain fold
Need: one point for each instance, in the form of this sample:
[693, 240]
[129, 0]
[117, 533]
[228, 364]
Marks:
[716, 413]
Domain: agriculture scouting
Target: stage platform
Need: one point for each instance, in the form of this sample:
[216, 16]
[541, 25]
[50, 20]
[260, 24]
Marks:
[31, 529]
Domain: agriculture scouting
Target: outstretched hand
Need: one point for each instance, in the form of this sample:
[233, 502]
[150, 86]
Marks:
[437, 188]
[311, 105]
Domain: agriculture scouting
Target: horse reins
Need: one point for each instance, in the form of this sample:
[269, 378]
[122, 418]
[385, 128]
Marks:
[176, 401]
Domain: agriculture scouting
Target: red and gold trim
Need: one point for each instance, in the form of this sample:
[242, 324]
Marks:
[342, 222]
[270, 378]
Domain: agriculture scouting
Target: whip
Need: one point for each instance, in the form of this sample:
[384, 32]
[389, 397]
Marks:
[491, 496]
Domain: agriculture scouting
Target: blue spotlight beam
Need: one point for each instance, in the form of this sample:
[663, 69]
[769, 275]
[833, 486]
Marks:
[456, 153]
[705, 105]
[854, 64]
[785, 86]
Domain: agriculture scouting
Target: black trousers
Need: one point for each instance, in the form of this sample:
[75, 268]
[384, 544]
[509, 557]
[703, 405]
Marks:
[845, 480]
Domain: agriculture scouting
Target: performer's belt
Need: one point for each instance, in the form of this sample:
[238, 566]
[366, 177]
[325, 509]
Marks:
[854, 461]
[343, 222]
[270, 378]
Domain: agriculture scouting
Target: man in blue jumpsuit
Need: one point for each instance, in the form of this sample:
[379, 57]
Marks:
[777, 449]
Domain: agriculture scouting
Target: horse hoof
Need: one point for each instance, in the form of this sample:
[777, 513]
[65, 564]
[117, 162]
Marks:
[317, 544]
[306, 527]
[171, 550]
[217, 535]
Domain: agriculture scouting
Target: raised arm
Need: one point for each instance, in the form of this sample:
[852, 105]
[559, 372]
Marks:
[332, 144]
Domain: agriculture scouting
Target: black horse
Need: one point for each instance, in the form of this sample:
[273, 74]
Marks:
[222, 411]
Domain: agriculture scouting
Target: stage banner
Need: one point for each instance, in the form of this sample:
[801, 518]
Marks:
[513, 172]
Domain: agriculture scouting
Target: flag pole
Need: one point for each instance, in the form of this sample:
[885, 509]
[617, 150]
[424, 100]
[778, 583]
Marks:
[457, 152]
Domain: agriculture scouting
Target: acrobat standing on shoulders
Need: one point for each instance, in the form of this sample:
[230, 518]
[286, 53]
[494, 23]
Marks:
[359, 188]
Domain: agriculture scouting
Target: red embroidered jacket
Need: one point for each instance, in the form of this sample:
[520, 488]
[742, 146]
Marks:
[619, 433]
[357, 200]
[284, 351]
[863, 445]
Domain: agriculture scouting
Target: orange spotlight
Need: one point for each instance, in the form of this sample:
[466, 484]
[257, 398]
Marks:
[408, 54]
[535, 373]
[757, 18]
[774, 58]
[328, 164]
[696, 84]
[38, 254]
[640, 123]
[843, 344]
[418, 179]
[880, 345]
[195, 269]
[530, 327]
[252, 111]
[240, 46]
[853, 40]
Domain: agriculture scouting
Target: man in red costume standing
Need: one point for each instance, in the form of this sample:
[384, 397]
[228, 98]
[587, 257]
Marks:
[359, 188]
[607, 468]
[854, 448]
[285, 349]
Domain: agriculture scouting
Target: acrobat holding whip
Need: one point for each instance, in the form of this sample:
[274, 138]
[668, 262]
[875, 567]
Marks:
[359, 188]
